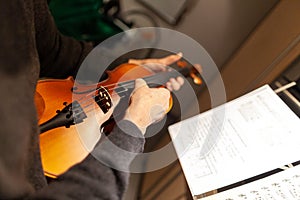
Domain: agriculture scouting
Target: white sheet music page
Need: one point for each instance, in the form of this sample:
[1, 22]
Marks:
[284, 185]
[248, 136]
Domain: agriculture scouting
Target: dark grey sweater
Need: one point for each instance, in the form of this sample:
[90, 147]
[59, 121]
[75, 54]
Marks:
[31, 47]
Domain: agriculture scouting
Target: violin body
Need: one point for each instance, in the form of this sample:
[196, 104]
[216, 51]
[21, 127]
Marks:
[70, 114]
[64, 146]
[60, 147]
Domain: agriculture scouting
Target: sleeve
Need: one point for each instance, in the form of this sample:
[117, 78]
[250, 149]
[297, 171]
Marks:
[90, 179]
[59, 56]
[98, 177]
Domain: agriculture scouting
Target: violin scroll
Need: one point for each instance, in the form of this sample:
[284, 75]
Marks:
[193, 72]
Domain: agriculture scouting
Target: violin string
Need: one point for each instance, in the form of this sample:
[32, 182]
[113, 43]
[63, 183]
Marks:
[98, 101]
[84, 100]
[123, 86]
[129, 83]
[90, 105]
[108, 89]
[145, 78]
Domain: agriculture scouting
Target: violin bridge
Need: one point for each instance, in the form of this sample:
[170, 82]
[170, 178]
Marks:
[103, 99]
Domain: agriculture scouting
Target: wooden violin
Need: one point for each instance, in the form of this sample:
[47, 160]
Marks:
[63, 103]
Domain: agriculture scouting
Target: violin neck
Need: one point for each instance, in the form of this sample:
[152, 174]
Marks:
[162, 77]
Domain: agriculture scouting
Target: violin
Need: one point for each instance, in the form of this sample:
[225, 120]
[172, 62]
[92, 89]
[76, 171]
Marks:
[62, 104]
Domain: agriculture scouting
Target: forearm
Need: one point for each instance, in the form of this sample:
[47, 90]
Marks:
[99, 175]
[59, 56]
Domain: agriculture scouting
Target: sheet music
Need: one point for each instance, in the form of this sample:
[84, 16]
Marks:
[280, 186]
[246, 137]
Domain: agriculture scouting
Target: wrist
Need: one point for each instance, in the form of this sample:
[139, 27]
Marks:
[139, 121]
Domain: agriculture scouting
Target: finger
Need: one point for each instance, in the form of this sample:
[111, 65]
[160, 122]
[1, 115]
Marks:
[157, 113]
[198, 68]
[137, 62]
[160, 99]
[175, 84]
[140, 83]
[180, 80]
[165, 61]
[164, 93]
[158, 65]
[171, 59]
[144, 61]
[169, 86]
[147, 61]
[155, 67]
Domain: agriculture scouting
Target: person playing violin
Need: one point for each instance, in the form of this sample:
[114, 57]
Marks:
[32, 47]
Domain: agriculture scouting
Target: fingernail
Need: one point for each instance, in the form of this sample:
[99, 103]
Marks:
[180, 54]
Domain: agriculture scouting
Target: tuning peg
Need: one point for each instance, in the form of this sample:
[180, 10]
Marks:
[197, 80]
[197, 68]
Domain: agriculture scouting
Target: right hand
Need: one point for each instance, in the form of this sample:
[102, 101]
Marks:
[147, 105]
